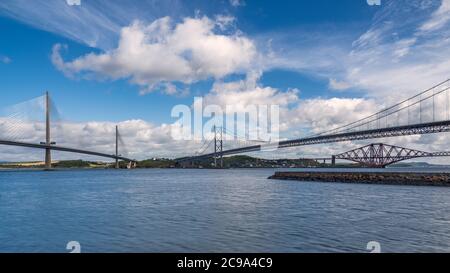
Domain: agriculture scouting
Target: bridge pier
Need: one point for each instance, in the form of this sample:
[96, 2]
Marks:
[333, 161]
[48, 159]
[131, 165]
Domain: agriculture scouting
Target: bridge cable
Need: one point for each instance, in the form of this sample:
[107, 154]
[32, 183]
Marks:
[390, 108]
[340, 129]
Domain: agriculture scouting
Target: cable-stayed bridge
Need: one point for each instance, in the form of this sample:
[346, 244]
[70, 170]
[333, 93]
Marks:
[425, 113]
[12, 125]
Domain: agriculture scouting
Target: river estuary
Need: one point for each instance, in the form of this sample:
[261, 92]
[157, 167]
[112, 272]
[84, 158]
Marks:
[164, 210]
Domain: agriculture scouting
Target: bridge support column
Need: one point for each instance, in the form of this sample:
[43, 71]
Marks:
[48, 159]
[218, 146]
[131, 165]
[333, 161]
[48, 153]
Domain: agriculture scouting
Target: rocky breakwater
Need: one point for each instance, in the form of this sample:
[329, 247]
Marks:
[411, 179]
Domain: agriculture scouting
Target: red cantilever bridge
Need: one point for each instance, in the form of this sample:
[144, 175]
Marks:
[381, 155]
[425, 113]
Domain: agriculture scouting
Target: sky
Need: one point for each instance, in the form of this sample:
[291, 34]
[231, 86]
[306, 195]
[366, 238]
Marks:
[324, 63]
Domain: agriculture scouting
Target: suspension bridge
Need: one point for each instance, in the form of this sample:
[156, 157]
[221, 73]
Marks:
[13, 123]
[424, 113]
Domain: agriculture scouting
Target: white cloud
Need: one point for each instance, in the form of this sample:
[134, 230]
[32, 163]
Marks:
[172, 90]
[237, 3]
[246, 92]
[338, 85]
[94, 23]
[316, 53]
[326, 114]
[393, 59]
[162, 52]
[142, 140]
[73, 2]
[86, 23]
[224, 21]
[403, 47]
[439, 18]
[409, 53]
[5, 59]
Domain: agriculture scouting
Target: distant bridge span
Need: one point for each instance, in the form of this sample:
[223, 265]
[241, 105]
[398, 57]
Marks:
[62, 149]
[380, 155]
[418, 129]
[425, 113]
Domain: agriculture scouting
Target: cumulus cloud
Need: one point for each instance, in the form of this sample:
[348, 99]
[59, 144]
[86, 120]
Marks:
[246, 92]
[141, 139]
[237, 96]
[162, 52]
[325, 114]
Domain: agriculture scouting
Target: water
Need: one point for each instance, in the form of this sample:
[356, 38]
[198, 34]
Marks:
[214, 211]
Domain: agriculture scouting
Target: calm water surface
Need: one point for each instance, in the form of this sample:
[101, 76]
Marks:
[214, 211]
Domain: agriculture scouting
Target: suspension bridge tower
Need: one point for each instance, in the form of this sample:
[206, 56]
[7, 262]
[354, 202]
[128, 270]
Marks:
[218, 146]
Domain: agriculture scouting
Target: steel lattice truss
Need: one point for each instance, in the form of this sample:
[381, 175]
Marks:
[380, 155]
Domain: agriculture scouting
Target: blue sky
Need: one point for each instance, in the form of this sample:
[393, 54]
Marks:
[324, 62]
[31, 71]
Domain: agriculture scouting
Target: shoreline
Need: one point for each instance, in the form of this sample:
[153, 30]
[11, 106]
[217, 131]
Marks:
[382, 178]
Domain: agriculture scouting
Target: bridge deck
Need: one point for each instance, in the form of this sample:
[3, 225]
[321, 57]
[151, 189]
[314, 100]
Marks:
[62, 149]
[424, 128]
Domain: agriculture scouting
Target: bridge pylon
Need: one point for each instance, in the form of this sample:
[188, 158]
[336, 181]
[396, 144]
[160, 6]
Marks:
[48, 155]
[218, 146]
[48, 142]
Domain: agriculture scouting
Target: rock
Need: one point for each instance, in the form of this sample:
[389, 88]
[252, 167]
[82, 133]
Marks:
[416, 179]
